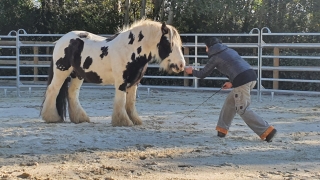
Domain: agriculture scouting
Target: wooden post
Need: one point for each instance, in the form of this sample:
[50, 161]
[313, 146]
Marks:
[276, 64]
[35, 61]
[47, 52]
[186, 52]
[254, 52]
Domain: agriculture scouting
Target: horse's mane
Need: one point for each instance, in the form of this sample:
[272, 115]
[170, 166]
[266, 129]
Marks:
[147, 22]
[137, 23]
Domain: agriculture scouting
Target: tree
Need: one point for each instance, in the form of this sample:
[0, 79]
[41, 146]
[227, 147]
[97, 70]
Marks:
[157, 7]
[16, 14]
[143, 8]
[126, 12]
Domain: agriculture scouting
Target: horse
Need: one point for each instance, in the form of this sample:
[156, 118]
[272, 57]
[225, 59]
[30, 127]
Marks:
[120, 61]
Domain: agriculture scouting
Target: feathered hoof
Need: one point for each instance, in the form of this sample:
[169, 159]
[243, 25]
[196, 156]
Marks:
[122, 123]
[136, 121]
[80, 120]
[79, 117]
[52, 118]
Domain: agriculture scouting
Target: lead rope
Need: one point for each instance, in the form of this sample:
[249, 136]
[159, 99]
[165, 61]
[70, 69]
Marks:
[201, 104]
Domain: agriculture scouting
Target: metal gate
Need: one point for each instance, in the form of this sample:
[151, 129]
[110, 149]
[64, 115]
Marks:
[8, 61]
[38, 56]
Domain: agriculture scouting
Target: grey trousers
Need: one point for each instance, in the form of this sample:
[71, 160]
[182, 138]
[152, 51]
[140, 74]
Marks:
[237, 102]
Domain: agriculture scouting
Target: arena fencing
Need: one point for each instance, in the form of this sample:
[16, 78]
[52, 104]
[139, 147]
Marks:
[23, 58]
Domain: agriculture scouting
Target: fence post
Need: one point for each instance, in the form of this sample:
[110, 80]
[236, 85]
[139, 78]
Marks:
[35, 62]
[195, 81]
[260, 59]
[22, 31]
[18, 63]
[186, 52]
[276, 64]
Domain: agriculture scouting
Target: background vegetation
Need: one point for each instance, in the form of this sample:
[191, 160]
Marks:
[189, 16]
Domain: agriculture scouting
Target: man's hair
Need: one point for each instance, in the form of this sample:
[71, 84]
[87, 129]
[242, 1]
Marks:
[212, 41]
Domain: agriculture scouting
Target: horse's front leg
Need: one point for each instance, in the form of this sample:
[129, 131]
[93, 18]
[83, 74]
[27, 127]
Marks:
[130, 105]
[119, 115]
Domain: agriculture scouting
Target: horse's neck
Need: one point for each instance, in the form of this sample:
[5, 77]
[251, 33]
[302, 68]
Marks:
[148, 43]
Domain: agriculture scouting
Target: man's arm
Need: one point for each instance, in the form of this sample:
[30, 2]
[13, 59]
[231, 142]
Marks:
[227, 85]
[202, 73]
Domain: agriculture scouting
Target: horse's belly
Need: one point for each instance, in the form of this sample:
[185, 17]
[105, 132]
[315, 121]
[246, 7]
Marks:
[103, 77]
[99, 72]
[107, 79]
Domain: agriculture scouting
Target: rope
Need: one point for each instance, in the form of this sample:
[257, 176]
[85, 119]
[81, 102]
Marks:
[201, 104]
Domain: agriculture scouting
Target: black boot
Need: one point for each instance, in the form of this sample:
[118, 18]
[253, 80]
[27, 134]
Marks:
[220, 134]
[271, 135]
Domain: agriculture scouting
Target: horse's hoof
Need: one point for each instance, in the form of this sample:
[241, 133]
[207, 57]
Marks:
[137, 122]
[80, 121]
[135, 119]
[51, 118]
[79, 118]
[127, 124]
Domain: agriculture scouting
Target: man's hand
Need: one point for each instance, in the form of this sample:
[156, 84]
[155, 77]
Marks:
[188, 69]
[227, 85]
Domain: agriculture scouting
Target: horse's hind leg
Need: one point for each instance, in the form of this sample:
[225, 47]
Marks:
[130, 105]
[49, 110]
[76, 112]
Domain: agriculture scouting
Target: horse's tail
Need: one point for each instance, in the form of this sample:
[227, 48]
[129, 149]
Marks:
[61, 101]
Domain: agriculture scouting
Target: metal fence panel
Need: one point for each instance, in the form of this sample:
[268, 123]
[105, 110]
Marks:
[22, 42]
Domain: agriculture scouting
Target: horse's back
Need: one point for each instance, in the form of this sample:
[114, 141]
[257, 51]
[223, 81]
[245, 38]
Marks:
[86, 53]
[73, 38]
[83, 35]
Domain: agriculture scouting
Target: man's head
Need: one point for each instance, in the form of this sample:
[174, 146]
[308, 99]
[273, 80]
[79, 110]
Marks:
[211, 41]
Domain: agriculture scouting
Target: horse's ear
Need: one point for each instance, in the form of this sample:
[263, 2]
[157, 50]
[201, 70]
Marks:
[164, 28]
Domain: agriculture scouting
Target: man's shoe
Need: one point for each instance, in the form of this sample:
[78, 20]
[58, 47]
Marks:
[220, 134]
[271, 135]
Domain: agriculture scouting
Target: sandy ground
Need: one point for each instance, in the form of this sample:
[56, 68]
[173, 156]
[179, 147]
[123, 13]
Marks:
[166, 146]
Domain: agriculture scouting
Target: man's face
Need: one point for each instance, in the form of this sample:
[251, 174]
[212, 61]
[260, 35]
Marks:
[207, 49]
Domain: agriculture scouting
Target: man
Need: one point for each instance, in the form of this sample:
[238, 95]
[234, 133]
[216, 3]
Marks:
[242, 78]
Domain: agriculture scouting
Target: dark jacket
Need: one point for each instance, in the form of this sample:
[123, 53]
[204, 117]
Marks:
[229, 63]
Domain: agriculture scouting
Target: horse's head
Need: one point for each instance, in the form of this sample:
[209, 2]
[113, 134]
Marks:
[161, 43]
[170, 50]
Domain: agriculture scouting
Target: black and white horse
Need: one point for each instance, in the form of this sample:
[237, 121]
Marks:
[121, 60]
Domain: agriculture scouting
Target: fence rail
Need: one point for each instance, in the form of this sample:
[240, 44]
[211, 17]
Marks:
[17, 42]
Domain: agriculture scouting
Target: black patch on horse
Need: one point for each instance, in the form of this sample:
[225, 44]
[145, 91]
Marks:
[131, 37]
[90, 76]
[164, 47]
[104, 51]
[134, 71]
[174, 66]
[63, 64]
[72, 55]
[87, 63]
[141, 36]
[112, 37]
[77, 48]
[83, 35]
[139, 50]
[75, 75]
[93, 77]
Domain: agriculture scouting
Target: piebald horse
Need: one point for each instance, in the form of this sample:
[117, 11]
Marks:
[120, 60]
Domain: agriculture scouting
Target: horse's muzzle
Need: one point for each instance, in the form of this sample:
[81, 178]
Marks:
[177, 68]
